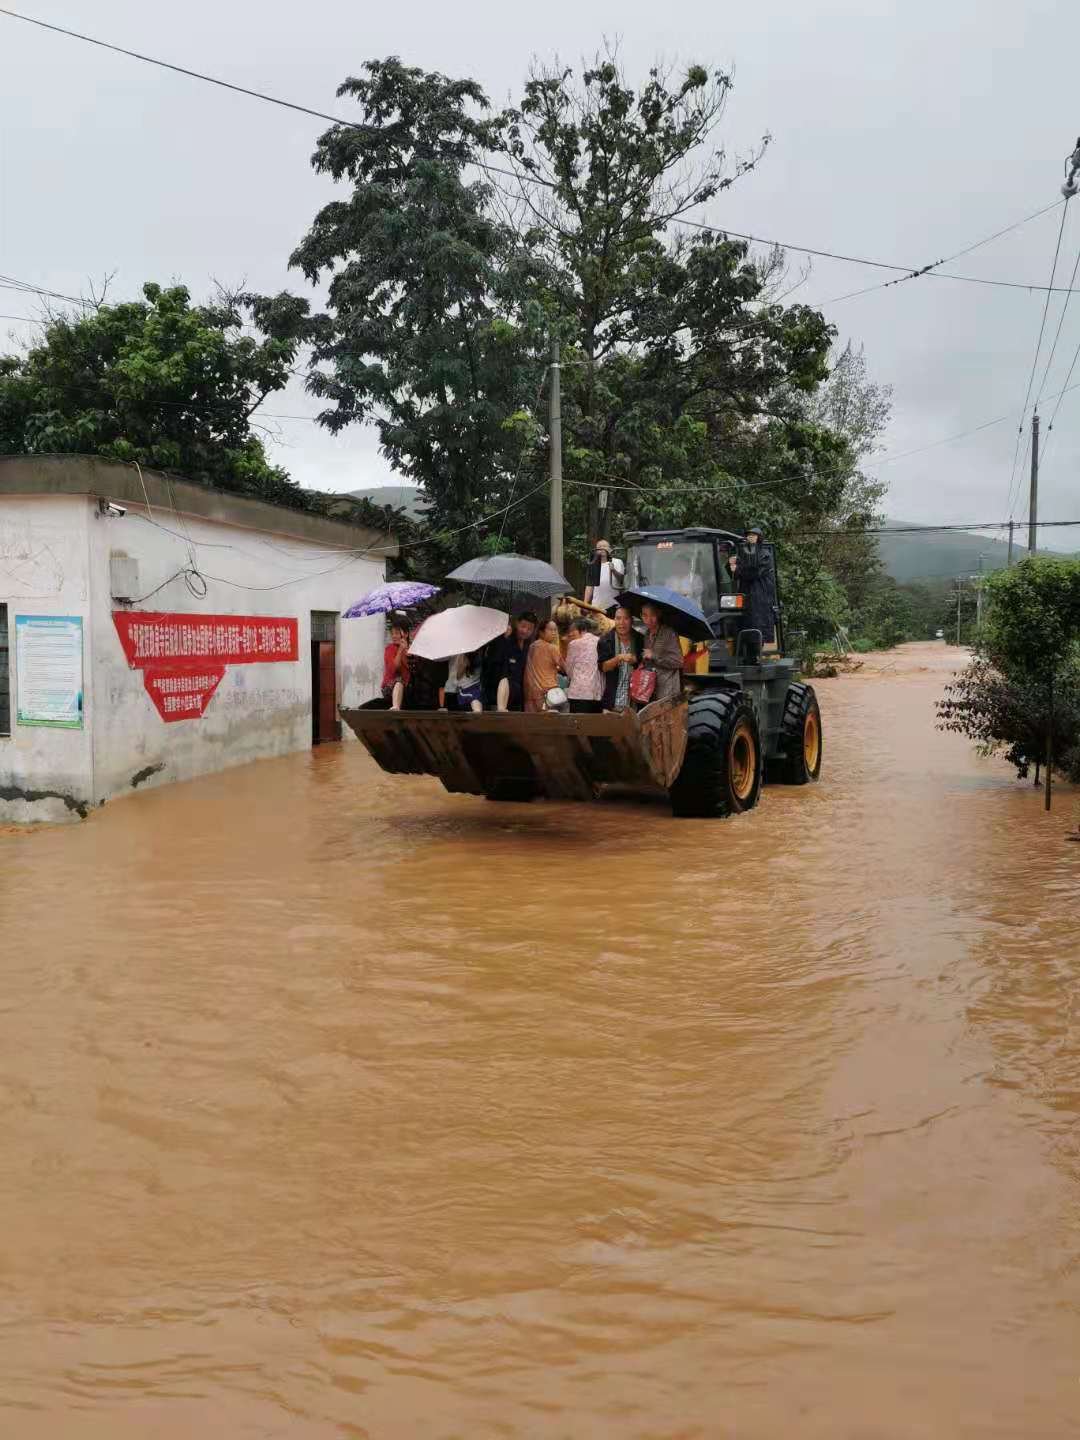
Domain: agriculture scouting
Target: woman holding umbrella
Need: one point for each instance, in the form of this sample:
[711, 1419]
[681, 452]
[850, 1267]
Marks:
[662, 652]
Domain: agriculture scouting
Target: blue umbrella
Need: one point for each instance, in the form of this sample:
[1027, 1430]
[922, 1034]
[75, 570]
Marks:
[394, 595]
[685, 616]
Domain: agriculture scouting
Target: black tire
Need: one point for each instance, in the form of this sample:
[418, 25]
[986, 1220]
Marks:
[722, 769]
[800, 743]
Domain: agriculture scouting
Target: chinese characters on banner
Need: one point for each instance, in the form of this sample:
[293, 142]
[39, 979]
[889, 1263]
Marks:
[183, 657]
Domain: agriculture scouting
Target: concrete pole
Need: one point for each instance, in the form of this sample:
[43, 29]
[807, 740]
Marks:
[979, 598]
[1033, 513]
[959, 593]
[1011, 528]
[555, 430]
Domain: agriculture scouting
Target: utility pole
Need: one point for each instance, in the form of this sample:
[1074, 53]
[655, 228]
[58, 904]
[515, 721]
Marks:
[979, 597]
[555, 431]
[1033, 514]
[959, 593]
[1009, 562]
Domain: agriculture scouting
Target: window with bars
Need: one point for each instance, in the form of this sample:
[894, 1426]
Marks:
[5, 674]
[324, 625]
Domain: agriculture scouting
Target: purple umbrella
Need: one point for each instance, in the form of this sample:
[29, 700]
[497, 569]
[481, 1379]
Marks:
[394, 595]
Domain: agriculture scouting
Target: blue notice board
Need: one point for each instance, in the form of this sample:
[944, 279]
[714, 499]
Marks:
[49, 670]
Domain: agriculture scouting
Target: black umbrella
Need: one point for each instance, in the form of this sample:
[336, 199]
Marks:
[685, 616]
[515, 573]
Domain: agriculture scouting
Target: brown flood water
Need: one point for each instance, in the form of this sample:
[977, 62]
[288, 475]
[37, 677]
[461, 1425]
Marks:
[333, 1105]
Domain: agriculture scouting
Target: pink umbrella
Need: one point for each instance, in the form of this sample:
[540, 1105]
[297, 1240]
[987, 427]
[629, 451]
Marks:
[459, 631]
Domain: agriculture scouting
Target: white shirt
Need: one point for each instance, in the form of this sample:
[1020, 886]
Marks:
[611, 578]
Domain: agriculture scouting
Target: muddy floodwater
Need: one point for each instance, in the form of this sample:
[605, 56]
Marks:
[334, 1105]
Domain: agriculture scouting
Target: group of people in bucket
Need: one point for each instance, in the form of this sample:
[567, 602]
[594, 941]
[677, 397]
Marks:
[557, 664]
[570, 663]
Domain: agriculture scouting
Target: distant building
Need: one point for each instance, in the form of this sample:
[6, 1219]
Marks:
[153, 630]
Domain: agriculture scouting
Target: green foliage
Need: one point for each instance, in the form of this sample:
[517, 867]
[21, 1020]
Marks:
[1023, 689]
[891, 613]
[158, 380]
[1013, 718]
[426, 286]
[688, 385]
[1033, 625]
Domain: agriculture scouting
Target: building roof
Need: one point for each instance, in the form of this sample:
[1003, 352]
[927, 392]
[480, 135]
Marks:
[126, 485]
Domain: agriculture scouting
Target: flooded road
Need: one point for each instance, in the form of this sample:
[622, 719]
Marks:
[334, 1105]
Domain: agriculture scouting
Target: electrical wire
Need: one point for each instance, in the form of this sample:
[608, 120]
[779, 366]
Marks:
[1057, 332]
[948, 259]
[1034, 364]
[193, 571]
[23, 287]
[935, 529]
[905, 270]
[1061, 395]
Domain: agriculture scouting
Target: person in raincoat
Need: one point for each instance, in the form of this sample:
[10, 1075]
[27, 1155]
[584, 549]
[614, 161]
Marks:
[755, 576]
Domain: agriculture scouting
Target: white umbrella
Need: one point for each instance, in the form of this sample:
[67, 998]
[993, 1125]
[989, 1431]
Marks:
[459, 631]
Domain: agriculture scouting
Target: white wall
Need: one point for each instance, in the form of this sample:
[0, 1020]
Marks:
[45, 774]
[258, 710]
[55, 559]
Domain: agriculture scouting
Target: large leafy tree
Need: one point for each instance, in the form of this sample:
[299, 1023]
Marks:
[682, 363]
[464, 240]
[158, 380]
[426, 290]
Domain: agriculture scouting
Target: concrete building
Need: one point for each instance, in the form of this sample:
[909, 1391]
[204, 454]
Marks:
[153, 630]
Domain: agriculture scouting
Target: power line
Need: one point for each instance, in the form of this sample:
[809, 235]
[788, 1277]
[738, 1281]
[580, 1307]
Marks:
[1057, 407]
[1057, 333]
[935, 529]
[904, 270]
[24, 287]
[1035, 363]
[224, 84]
[947, 259]
[974, 430]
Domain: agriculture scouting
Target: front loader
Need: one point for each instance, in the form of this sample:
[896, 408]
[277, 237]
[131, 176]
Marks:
[744, 716]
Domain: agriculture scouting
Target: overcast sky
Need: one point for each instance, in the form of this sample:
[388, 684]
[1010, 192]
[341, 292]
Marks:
[902, 132]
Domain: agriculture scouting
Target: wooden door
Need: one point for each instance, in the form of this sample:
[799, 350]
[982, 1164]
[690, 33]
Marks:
[324, 665]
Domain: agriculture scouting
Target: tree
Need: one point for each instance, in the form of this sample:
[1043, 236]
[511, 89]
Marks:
[680, 364]
[1022, 692]
[1013, 719]
[158, 380]
[464, 240]
[854, 406]
[426, 291]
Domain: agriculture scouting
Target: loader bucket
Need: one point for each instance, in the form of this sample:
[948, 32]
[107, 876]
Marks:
[516, 756]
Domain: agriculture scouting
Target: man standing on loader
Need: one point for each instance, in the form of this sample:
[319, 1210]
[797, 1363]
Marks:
[755, 575]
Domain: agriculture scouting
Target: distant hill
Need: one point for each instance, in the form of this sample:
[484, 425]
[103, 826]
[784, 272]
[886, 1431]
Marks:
[944, 554]
[921, 555]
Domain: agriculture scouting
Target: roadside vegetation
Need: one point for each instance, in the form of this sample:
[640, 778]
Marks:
[1019, 698]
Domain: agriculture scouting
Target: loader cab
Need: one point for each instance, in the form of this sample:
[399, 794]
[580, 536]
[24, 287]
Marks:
[686, 561]
[695, 563]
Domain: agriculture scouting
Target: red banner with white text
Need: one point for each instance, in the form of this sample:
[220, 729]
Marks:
[183, 657]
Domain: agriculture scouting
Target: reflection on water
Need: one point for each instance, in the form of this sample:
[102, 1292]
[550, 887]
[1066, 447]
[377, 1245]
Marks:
[334, 1105]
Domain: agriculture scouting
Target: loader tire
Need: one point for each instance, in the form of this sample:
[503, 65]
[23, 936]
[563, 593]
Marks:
[799, 761]
[721, 772]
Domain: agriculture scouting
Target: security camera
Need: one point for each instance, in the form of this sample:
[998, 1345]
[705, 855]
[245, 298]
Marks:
[111, 509]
